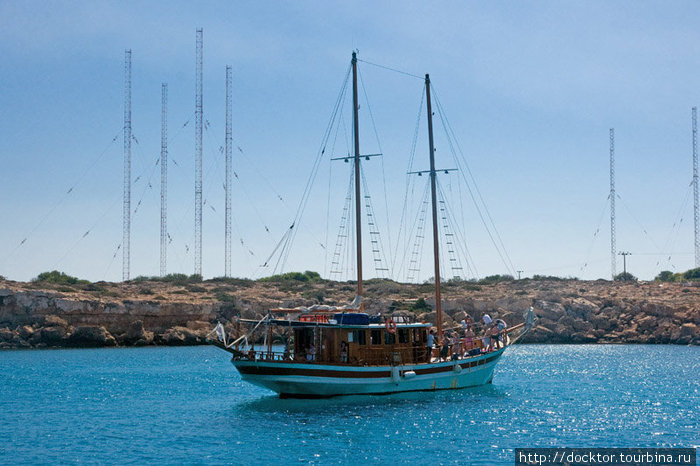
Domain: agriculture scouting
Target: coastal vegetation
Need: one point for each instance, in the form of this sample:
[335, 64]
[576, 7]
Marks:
[59, 278]
[56, 309]
[692, 275]
[625, 277]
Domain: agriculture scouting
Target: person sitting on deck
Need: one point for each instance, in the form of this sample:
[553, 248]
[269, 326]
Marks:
[430, 344]
[343, 352]
[311, 353]
[468, 339]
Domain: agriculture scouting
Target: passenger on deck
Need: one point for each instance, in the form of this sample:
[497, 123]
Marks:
[251, 353]
[469, 320]
[468, 339]
[343, 352]
[495, 338]
[445, 349]
[501, 324]
[486, 319]
[311, 353]
[456, 350]
[430, 344]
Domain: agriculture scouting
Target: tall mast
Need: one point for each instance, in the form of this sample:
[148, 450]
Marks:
[436, 250]
[229, 163]
[126, 215]
[164, 180]
[198, 159]
[358, 212]
[696, 203]
[613, 259]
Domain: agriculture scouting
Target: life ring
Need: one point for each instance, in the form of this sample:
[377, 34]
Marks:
[390, 326]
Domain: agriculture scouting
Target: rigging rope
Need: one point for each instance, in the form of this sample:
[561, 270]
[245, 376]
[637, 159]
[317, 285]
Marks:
[422, 78]
[413, 266]
[60, 201]
[595, 234]
[284, 253]
[409, 184]
[381, 151]
[459, 242]
[343, 233]
[464, 168]
[380, 262]
[678, 221]
[644, 230]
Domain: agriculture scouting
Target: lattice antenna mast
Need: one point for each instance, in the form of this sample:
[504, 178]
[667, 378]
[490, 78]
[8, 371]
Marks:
[229, 142]
[613, 262]
[198, 159]
[126, 214]
[696, 214]
[164, 180]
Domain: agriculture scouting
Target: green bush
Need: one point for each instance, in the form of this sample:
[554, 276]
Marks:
[307, 276]
[143, 278]
[692, 274]
[225, 297]
[625, 277]
[496, 279]
[314, 295]
[665, 276]
[242, 282]
[59, 278]
[420, 306]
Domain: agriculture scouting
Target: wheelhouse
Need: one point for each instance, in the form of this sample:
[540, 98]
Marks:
[349, 338]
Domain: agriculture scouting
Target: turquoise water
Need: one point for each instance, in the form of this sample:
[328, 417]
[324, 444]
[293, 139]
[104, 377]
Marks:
[189, 405]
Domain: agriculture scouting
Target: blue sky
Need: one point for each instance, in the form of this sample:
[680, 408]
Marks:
[531, 90]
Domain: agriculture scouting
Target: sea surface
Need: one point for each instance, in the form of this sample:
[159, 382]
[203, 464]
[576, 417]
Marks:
[189, 405]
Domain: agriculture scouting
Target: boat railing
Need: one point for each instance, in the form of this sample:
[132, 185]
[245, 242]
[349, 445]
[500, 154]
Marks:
[265, 355]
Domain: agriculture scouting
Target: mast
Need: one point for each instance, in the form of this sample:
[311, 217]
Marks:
[358, 212]
[436, 250]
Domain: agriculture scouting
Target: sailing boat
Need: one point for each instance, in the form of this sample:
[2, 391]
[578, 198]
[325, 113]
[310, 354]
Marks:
[344, 351]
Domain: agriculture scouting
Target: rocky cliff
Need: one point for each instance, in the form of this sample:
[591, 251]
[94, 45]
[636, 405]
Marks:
[39, 315]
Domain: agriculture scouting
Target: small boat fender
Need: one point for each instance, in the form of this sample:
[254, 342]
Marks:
[409, 374]
[457, 368]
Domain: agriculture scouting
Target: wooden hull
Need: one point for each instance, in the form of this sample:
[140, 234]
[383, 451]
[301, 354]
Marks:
[303, 380]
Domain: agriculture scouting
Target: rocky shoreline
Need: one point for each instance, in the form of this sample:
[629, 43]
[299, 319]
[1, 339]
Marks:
[37, 315]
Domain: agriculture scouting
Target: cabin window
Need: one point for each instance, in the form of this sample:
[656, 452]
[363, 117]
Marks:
[389, 338]
[403, 335]
[375, 337]
[358, 336]
[418, 335]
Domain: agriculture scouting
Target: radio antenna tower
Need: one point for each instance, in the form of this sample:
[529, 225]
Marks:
[164, 180]
[613, 262]
[198, 161]
[695, 187]
[126, 215]
[229, 141]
